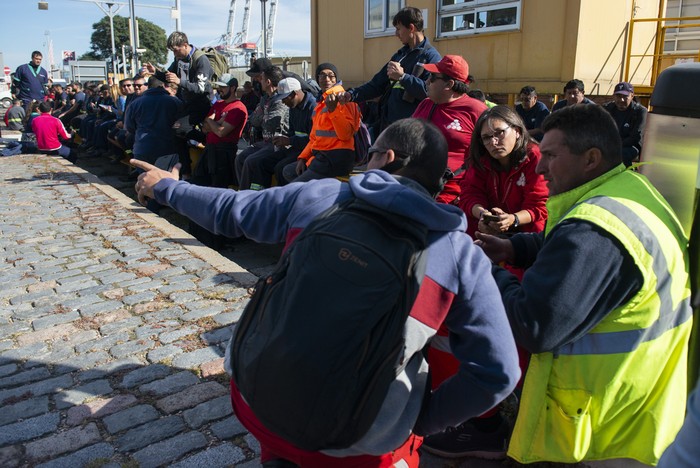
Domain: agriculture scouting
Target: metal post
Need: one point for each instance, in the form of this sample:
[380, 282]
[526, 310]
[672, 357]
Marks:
[114, 48]
[263, 35]
[124, 60]
[178, 25]
[132, 34]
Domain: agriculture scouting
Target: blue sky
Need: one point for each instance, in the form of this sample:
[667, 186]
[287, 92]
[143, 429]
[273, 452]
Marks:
[69, 24]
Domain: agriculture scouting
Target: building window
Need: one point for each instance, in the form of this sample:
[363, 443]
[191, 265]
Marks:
[378, 16]
[462, 17]
[682, 40]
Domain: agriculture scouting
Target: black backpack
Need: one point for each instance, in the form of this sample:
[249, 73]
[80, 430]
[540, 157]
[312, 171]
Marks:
[321, 339]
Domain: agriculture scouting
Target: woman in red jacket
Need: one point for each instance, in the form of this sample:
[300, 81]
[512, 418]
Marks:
[501, 192]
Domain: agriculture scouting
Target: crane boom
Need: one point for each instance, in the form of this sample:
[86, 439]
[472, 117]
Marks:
[246, 22]
[228, 38]
[271, 26]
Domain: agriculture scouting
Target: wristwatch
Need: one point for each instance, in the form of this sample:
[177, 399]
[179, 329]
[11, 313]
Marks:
[516, 223]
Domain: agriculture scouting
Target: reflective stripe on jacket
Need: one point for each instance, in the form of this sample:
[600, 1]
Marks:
[619, 391]
[332, 130]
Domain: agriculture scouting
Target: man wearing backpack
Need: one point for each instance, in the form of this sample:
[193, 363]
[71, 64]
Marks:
[406, 169]
[191, 71]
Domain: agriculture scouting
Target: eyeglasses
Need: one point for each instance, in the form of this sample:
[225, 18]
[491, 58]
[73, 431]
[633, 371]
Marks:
[375, 149]
[498, 134]
[329, 76]
[398, 154]
[139, 85]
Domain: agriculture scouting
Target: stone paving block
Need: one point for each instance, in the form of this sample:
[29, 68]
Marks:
[171, 288]
[144, 296]
[77, 395]
[98, 267]
[253, 444]
[40, 286]
[228, 318]
[55, 319]
[104, 307]
[184, 297]
[10, 457]
[172, 271]
[162, 353]
[47, 334]
[141, 284]
[82, 457]
[169, 337]
[169, 450]
[151, 306]
[166, 314]
[117, 278]
[132, 347]
[38, 373]
[196, 358]
[31, 297]
[120, 365]
[208, 411]
[129, 418]
[81, 277]
[228, 428]
[23, 352]
[24, 409]
[98, 408]
[6, 344]
[150, 433]
[144, 375]
[78, 286]
[205, 312]
[128, 324]
[8, 369]
[29, 429]
[101, 344]
[191, 396]
[63, 442]
[154, 329]
[81, 362]
[222, 456]
[220, 335]
[83, 300]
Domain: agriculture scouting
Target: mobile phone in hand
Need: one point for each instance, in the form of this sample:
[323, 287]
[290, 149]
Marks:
[490, 218]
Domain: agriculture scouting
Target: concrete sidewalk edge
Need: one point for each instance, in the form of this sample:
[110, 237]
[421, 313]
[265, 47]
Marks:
[187, 241]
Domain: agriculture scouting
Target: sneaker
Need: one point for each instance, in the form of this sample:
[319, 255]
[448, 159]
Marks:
[466, 440]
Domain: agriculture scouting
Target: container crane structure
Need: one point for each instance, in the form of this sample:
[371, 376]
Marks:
[235, 45]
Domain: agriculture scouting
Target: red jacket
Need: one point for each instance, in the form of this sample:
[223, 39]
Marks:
[456, 121]
[519, 189]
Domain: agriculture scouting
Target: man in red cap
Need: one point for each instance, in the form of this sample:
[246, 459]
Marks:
[630, 118]
[454, 113]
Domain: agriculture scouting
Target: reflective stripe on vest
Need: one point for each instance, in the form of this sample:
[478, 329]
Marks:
[326, 133]
[300, 134]
[670, 318]
[397, 85]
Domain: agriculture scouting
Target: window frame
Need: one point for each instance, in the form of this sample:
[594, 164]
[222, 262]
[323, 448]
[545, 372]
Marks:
[476, 7]
[388, 29]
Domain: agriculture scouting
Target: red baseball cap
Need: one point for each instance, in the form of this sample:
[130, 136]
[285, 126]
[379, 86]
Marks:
[453, 66]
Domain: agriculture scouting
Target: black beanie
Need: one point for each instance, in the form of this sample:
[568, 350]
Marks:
[327, 66]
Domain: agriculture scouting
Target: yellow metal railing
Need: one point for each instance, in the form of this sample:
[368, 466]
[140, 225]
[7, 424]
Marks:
[658, 55]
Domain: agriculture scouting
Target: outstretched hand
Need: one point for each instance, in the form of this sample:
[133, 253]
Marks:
[150, 177]
[496, 248]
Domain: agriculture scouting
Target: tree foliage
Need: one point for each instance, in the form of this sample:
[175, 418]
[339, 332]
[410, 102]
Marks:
[152, 38]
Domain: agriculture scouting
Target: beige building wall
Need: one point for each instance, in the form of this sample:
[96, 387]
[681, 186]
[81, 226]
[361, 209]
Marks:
[558, 40]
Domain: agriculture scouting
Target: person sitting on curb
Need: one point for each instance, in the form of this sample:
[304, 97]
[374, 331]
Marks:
[405, 174]
[49, 132]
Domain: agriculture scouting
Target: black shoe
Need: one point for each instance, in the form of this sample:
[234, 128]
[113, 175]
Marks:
[466, 440]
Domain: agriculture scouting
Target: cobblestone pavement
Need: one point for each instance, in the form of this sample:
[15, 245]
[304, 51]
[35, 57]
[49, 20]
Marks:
[113, 324]
[112, 330]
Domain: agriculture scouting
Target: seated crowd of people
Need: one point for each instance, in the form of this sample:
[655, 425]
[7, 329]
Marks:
[543, 193]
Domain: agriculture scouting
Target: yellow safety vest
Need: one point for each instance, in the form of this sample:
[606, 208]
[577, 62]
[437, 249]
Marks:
[620, 390]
